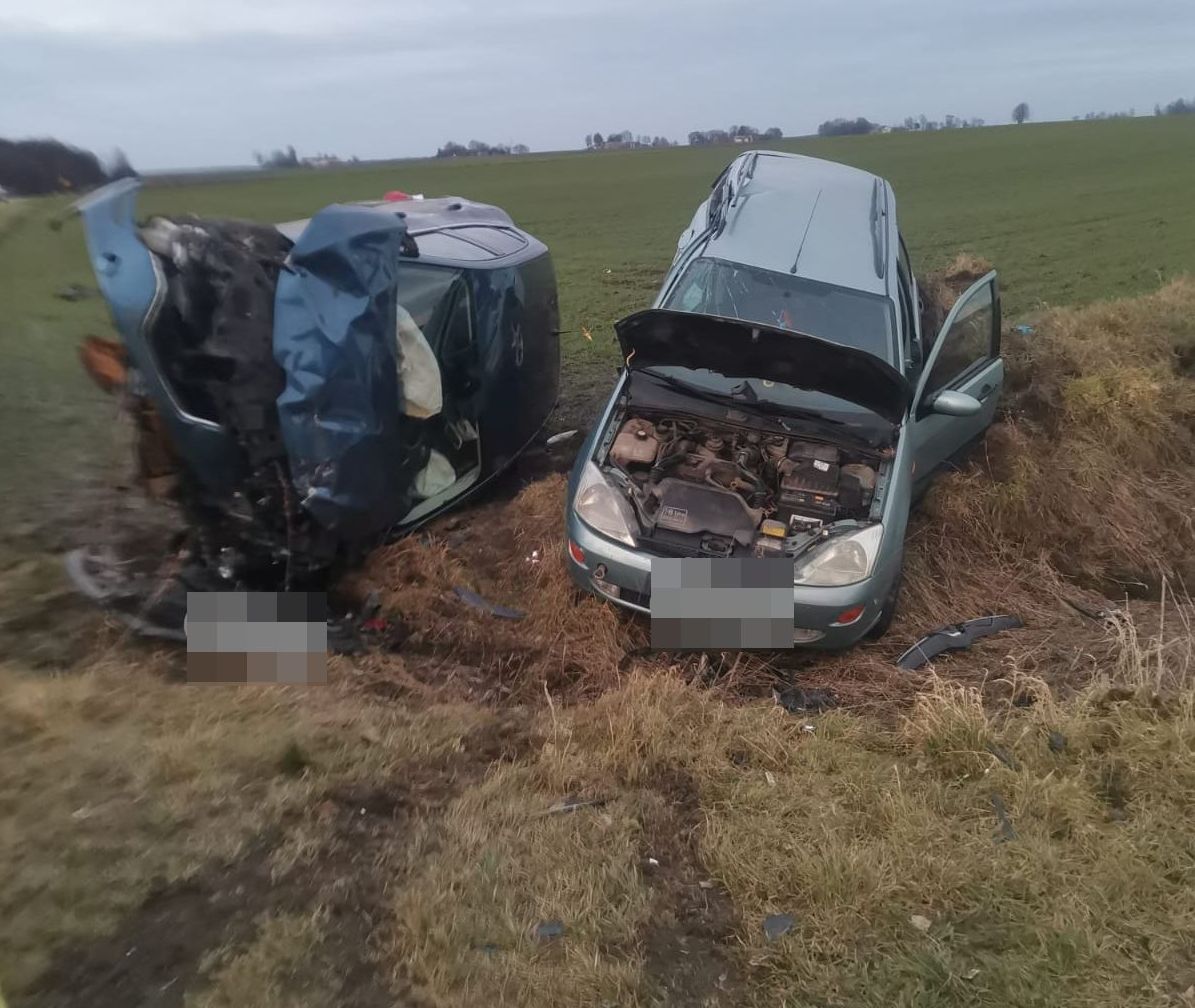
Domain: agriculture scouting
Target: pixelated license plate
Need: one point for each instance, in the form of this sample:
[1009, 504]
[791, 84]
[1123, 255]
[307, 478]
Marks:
[257, 637]
[707, 603]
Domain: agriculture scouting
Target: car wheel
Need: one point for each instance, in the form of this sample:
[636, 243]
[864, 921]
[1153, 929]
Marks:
[888, 613]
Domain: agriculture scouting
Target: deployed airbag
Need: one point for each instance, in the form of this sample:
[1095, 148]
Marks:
[418, 369]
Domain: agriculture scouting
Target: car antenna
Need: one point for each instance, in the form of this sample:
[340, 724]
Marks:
[805, 234]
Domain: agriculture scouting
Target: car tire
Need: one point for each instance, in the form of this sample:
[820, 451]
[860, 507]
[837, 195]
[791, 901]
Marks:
[884, 622]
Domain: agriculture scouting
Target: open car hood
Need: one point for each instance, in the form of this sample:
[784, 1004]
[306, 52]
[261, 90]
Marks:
[659, 337]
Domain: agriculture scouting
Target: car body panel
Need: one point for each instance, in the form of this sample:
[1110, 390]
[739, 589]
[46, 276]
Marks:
[737, 349]
[939, 440]
[134, 286]
[350, 450]
[787, 210]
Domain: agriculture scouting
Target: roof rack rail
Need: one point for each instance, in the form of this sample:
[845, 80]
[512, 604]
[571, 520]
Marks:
[879, 227]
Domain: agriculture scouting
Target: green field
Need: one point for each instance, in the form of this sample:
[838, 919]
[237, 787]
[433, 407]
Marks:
[1068, 212]
[1012, 829]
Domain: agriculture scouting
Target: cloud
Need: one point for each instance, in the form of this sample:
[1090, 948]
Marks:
[208, 83]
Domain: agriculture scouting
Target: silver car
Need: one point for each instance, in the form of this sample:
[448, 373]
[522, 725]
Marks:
[780, 399]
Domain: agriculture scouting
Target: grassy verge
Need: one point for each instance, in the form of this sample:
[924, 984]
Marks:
[319, 849]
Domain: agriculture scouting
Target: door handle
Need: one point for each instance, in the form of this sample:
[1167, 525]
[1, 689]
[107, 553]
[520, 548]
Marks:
[985, 391]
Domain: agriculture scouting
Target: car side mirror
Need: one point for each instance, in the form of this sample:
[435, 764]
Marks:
[956, 404]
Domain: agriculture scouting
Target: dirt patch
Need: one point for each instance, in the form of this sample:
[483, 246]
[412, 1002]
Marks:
[155, 956]
[689, 943]
[181, 935]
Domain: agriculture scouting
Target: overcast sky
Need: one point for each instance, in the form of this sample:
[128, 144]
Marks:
[208, 82]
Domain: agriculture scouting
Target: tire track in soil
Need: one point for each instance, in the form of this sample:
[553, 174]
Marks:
[155, 957]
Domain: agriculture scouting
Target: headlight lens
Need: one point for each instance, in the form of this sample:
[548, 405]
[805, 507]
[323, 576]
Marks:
[843, 560]
[603, 508]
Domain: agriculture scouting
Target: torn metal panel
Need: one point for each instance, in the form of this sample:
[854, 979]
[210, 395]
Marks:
[350, 448]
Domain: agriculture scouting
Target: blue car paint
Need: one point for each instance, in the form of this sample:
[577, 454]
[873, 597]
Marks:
[341, 410]
[133, 284]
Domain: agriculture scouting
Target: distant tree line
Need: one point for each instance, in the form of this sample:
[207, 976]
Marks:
[37, 167]
[1093, 116]
[1180, 106]
[625, 140]
[736, 134]
[280, 160]
[847, 127]
[476, 148]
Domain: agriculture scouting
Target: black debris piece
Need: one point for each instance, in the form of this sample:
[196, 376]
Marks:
[798, 700]
[957, 637]
[1003, 755]
[1006, 831]
[1106, 615]
[1056, 741]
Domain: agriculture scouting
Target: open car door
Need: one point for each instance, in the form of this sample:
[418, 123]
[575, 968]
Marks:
[963, 370]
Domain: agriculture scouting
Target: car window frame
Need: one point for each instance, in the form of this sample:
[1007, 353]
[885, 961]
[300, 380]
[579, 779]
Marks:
[926, 393]
[907, 285]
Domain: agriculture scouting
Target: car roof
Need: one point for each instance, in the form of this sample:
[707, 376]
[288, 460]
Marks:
[814, 219]
[451, 230]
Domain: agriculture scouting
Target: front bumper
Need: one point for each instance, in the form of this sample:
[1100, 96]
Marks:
[814, 608]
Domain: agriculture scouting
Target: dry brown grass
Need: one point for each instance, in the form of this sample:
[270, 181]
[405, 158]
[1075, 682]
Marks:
[1094, 467]
[511, 553]
[853, 827]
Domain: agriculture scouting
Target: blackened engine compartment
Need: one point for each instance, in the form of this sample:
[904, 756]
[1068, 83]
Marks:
[706, 488]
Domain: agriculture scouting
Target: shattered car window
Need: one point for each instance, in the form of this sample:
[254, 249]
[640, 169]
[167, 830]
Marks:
[429, 294]
[849, 318]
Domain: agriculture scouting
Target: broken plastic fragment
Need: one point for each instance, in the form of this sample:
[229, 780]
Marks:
[958, 637]
[777, 925]
[548, 930]
[471, 598]
[797, 700]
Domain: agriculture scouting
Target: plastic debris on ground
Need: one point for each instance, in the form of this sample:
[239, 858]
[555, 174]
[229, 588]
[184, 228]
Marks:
[798, 700]
[546, 931]
[571, 804]
[472, 599]
[957, 637]
[777, 925]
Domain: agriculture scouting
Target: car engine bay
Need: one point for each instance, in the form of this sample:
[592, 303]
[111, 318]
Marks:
[705, 488]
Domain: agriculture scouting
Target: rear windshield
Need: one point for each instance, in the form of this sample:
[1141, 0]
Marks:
[847, 317]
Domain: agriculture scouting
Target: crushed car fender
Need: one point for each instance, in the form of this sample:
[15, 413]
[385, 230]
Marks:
[339, 416]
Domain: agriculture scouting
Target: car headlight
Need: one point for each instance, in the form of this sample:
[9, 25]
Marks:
[603, 508]
[842, 560]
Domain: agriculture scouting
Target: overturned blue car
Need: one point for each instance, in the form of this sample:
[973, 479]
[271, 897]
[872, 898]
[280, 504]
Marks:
[306, 390]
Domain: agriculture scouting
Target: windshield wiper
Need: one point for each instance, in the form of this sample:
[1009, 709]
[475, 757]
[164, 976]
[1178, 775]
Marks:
[745, 390]
[692, 390]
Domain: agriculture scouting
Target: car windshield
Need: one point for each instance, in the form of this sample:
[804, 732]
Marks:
[847, 317]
